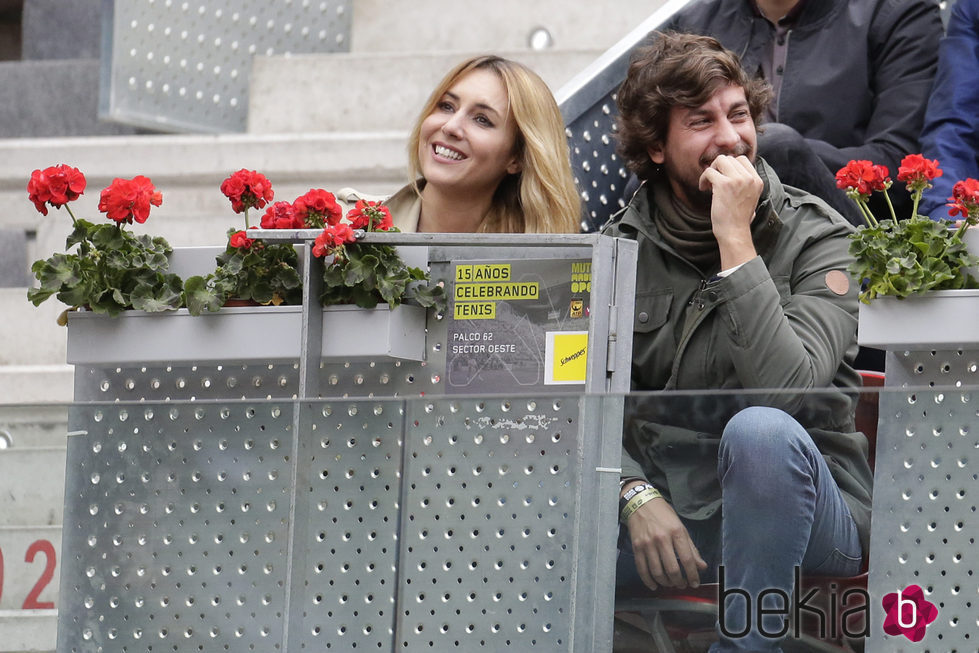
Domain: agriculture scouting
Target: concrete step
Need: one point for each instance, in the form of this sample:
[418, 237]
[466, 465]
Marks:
[32, 486]
[31, 337]
[370, 91]
[28, 631]
[35, 383]
[53, 98]
[38, 425]
[32, 570]
[427, 25]
[74, 35]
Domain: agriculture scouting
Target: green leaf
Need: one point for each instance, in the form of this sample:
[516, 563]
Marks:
[202, 294]
[163, 296]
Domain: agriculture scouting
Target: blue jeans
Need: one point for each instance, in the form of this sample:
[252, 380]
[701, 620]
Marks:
[780, 508]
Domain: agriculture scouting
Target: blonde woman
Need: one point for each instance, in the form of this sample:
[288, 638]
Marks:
[488, 153]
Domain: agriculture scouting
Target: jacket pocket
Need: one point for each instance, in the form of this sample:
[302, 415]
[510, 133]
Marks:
[652, 310]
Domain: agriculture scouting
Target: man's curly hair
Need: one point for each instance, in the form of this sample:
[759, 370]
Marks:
[676, 69]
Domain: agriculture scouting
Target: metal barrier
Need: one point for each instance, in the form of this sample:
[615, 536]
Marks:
[185, 66]
[363, 502]
[925, 499]
[587, 103]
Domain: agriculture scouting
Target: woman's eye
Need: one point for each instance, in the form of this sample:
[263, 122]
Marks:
[444, 106]
[483, 120]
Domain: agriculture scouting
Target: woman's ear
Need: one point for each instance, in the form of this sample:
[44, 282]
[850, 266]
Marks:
[514, 167]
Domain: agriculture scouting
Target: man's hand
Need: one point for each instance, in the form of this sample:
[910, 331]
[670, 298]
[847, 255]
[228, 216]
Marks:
[735, 186]
[665, 554]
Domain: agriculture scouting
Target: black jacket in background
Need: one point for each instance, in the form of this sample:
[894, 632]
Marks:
[857, 77]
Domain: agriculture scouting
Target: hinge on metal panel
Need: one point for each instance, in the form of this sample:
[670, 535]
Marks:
[612, 337]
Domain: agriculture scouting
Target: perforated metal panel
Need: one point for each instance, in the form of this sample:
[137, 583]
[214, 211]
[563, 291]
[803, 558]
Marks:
[213, 506]
[184, 65]
[177, 532]
[348, 503]
[588, 105]
[208, 380]
[926, 495]
[599, 173]
[492, 517]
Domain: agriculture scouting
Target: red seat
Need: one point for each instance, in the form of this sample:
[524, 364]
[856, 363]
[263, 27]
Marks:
[686, 617]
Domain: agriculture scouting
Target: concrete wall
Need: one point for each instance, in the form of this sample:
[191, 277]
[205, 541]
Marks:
[61, 29]
[501, 25]
[369, 92]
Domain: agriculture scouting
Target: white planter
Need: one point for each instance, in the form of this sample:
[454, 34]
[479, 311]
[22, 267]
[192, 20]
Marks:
[943, 319]
[252, 333]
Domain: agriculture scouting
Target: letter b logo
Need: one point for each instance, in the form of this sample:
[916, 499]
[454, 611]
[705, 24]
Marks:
[908, 613]
[911, 613]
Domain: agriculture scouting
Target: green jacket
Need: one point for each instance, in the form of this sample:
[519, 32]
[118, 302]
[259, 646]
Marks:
[786, 320]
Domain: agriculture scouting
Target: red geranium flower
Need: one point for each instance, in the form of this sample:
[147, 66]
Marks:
[317, 208]
[917, 172]
[863, 177]
[281, 215]
[125, 200]
[333, 237]
[247, 189]
[372, 216]
[56, 186]
[240, 240]
[965, 200]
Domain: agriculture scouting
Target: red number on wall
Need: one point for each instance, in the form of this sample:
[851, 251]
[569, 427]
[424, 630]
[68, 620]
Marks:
[45, 547]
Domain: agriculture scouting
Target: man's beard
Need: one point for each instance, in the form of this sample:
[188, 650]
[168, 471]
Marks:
[700, 200]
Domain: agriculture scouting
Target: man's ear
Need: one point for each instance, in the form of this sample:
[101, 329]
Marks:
[656, 154]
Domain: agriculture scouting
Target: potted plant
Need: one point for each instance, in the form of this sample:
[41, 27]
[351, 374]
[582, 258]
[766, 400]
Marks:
[106, 269]
[915, 271]
[249, 271]
[112, 270]
[366, 274]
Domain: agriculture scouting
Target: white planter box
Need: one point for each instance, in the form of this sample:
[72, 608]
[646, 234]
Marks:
[252, 333]
[943, 319]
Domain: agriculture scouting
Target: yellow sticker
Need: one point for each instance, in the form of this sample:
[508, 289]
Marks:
[566, 357]
[474, 311]
[487, 272]
[500, 291]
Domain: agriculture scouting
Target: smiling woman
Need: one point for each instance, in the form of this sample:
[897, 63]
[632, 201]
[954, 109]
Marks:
[488, 153]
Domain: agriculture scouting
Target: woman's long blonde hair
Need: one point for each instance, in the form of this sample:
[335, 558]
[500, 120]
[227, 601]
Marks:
[541, 198]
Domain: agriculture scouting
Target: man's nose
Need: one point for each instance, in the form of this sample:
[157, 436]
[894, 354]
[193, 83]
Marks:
[726, 134]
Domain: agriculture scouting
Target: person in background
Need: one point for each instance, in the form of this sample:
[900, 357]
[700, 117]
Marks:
[741, 284]
[851, 80]
[951, 131]
[488, 153]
